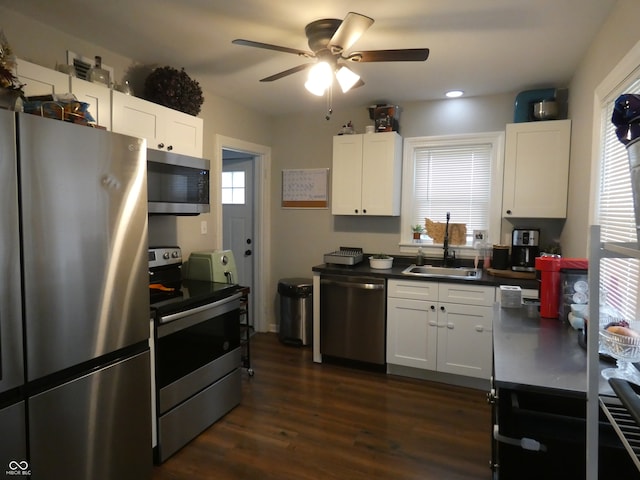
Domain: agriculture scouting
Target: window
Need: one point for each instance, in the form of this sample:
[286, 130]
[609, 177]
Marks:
[620, 278]
[460, 174]
[233, 188]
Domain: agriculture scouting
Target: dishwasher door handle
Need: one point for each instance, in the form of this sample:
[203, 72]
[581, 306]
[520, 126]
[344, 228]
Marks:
[363, 286]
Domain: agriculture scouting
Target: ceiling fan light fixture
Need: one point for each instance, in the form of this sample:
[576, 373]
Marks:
[347, 78]
[319, 79]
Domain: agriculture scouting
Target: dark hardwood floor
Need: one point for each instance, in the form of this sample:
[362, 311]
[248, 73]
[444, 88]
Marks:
[301, 420]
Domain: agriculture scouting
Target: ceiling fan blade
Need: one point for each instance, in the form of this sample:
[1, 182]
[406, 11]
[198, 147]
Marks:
[359, 83]
[402, 55]
[268, 46]
[285, 73]
[349, 31]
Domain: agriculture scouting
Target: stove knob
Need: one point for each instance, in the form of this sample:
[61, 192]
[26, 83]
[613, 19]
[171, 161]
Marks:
[175, 254]
[165, 255]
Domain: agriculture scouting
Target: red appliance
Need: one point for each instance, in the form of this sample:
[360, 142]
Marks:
[549, 276]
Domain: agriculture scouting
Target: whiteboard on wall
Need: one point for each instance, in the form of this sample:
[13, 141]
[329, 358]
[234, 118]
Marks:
[305, 188]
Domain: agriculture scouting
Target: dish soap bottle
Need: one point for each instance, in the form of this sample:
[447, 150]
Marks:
[420, 257]
[98, 74]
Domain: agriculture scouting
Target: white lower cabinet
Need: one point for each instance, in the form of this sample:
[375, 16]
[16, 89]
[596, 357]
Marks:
[440, 326]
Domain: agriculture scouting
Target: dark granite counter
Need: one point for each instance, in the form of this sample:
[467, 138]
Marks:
[539, 353]
[400, 263]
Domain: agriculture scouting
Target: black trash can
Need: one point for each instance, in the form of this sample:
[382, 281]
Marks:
[296, 311]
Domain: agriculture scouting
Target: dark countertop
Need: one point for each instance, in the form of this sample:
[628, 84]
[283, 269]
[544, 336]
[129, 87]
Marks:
[400, 263]
[539, 353]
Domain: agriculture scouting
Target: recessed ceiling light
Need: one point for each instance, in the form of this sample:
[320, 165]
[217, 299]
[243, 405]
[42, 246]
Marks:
[454, 93]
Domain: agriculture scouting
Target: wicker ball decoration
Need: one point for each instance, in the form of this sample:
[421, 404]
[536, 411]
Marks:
[174, 89]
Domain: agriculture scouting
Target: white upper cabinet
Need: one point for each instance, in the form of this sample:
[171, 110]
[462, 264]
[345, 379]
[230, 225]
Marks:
[164, 128]
[536, 169]
[40, 80]
[366, 177]
[97, 96]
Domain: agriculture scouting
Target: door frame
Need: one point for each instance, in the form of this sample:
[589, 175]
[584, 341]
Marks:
[262, 217]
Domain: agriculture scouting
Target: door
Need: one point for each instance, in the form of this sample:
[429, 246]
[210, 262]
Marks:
[238, 215]
[99, 424]
[84, 206]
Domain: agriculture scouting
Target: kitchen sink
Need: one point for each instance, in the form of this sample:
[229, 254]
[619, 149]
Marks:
[465, 273]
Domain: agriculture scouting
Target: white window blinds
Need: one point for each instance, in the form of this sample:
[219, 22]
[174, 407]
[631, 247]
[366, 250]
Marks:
[456, 179]
[620, 278]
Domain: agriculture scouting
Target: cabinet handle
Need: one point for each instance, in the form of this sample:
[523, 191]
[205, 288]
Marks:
[433, 307]
[442, 309]
[450, 326]
[169, 147]
[161, 145]
[479, 328]
[364, 210]
[508, 212]
[433, 323]
[356, 210]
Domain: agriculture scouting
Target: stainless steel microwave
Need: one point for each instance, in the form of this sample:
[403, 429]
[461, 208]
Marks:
[177, 184]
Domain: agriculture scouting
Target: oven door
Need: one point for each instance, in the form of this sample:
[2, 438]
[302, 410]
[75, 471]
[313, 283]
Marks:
[195, 348]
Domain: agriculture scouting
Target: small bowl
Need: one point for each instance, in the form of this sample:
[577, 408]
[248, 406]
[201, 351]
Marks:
[381, 263]
[621, 347]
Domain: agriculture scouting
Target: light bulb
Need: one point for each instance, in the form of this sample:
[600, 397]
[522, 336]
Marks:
[346, 78]
[319, 79]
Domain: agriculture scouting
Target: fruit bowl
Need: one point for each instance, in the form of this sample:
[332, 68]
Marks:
[625, 349]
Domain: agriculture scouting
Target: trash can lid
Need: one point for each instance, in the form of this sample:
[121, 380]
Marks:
[295, 286]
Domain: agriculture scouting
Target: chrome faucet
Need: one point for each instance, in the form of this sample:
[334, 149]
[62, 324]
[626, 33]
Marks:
[446, 258]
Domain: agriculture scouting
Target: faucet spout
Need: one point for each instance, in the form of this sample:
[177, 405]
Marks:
[445, 243]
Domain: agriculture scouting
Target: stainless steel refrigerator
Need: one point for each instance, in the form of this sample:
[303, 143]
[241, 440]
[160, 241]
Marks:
[74, 291]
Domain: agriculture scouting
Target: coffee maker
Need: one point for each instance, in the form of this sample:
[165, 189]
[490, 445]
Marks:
[525, 247]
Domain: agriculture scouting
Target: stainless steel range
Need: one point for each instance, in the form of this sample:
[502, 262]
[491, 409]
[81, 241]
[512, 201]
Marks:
[196, 347]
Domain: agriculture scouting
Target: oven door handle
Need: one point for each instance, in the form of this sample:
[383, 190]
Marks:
[525, 443]
[169, 323]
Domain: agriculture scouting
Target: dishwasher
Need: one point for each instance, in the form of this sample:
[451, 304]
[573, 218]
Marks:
[352, 318]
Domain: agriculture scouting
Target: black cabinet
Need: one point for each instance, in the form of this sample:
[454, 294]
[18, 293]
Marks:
[553, 424]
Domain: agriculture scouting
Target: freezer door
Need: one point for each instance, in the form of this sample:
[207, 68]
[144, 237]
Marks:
[13, 441]
[11, 364]
[84, 216]
[96, 427]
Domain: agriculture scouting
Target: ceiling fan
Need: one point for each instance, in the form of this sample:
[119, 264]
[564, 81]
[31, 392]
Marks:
[328, 40]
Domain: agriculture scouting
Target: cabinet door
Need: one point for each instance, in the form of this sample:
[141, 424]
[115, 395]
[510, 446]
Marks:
[412, 333]
[97, 96]
[137, 117]
[465, 340]
[184, 133]
[536, 170]
[381, 173]
[40, 80]
[346, 179]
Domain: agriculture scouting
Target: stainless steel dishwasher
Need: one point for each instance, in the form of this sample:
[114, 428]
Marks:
[352, 318]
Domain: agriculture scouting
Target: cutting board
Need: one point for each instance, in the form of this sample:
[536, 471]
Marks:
[512, 274]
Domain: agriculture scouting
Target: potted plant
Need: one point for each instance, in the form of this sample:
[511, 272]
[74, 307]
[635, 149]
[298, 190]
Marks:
[11, 93]
[174, 89]
[380, 260]
[417, 230]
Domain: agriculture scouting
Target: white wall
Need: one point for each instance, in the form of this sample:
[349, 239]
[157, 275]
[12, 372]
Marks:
[617, 36]
[301, 237]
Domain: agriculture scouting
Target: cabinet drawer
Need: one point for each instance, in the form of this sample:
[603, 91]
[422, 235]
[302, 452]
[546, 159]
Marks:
[413, 290]
[466, 294]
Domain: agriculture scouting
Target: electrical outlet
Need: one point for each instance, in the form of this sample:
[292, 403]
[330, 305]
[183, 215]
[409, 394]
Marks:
[203, 227]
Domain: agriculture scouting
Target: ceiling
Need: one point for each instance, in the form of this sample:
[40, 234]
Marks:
[483, 47]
